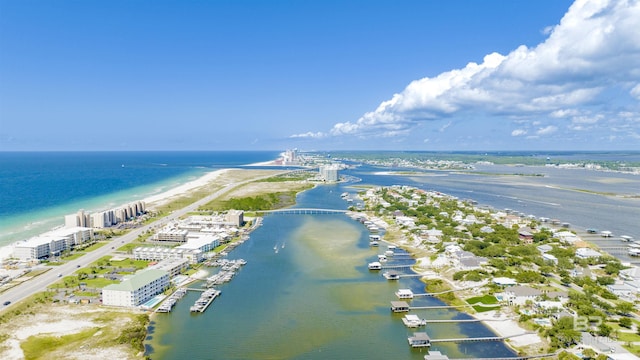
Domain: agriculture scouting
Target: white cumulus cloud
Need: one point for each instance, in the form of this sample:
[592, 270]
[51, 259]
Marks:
[547, 130]
[594, 50]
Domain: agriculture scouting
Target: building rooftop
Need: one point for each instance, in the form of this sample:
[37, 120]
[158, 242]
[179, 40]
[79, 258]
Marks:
[139, 280]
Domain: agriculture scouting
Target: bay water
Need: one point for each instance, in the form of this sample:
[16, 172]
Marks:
[306, 293]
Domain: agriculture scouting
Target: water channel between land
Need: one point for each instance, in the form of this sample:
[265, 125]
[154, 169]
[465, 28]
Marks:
[306, 292]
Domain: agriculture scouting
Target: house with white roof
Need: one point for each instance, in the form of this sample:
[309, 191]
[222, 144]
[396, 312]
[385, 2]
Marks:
[585, 253]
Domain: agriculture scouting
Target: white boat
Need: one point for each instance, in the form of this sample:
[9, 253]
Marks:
[626, 238]
[391, 276]
[375, 266]
[634, 251]
[374, 243]
[382, 258]
[413, 321]
[606, 233]
[389, 253]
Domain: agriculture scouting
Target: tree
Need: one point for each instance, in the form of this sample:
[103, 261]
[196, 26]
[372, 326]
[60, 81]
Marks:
[624, 308]
[625, 322]
[562, 334]
[589, 353]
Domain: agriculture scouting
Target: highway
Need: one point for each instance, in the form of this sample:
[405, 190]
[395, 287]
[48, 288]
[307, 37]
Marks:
[41, 282]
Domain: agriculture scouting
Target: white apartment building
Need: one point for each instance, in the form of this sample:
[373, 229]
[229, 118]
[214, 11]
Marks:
[51, 243]
[173, 266]
[329, 173]
[172, 235]
[137, 289]
[161, 253]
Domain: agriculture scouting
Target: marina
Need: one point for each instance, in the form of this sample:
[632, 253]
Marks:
[228, 269]
[169, 302]
[205, 300]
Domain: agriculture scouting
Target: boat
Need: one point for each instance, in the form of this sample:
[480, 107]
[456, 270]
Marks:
[382, 258]
[374, 243]
[391, 275]
[388, 253]
[375, 266]
[626, 238]
[413, 321]
[606, 234]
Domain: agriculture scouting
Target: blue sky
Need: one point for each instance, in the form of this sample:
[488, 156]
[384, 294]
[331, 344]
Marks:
[319, 75]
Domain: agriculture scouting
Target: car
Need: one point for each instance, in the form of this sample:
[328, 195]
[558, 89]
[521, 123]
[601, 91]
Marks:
[59, 275]
[78, 265]
[6, 303]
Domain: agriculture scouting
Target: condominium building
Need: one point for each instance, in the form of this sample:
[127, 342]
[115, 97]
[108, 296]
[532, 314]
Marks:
[173, 266]
[51, 243]
[137, 289]
[329, 173]
[235, 217]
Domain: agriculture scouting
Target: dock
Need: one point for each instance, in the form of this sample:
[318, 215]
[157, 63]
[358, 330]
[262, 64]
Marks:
[422, 339]
[205, 300]
[168, 304]
[438, 307]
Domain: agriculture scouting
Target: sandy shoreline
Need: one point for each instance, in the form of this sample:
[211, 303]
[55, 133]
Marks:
[153, 200]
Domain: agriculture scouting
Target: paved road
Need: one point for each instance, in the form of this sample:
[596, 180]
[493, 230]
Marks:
[41, 282]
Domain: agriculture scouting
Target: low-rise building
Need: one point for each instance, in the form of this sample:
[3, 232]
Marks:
[137, 289]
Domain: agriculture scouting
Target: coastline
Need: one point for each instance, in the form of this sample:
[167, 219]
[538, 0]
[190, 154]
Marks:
[152, 201]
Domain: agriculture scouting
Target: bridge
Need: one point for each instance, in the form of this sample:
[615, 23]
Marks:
[302, 211]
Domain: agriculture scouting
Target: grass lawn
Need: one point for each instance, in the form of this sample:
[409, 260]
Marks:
[99, 282]
[97, 245]
[485, 299]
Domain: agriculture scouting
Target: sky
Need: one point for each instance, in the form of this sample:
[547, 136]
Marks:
[319, 75]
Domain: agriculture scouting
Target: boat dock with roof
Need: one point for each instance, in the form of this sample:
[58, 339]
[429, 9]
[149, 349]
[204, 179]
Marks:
[205, 300]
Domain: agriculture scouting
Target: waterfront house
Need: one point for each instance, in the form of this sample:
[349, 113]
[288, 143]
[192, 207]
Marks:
[585, 253]
[621, 290]
[519, 295]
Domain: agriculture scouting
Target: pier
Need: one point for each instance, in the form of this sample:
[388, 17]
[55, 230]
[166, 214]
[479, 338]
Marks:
[205, 300]
[438, 307]
[422, 339]
[444, 321]
[168, 304]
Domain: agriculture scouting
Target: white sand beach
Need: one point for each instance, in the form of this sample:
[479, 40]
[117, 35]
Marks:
[503, 325]
[151, 201]
[161, 198]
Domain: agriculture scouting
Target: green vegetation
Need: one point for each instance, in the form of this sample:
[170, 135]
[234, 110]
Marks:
[135, 333]
[292, 176]
[40, 346]
[269, 201]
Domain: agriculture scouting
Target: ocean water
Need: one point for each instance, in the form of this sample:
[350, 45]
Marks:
[37, 189]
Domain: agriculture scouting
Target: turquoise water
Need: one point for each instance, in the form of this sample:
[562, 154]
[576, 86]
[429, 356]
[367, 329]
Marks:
[37, 189]
[312, 299]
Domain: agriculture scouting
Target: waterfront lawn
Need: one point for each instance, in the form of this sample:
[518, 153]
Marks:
[484, 303]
